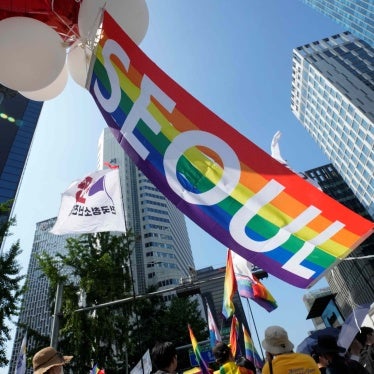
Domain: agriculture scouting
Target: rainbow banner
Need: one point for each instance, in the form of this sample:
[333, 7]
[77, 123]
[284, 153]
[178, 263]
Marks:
[222, 181]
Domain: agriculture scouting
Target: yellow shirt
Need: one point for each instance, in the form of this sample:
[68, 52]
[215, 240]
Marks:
[292, 363]
[230, 367]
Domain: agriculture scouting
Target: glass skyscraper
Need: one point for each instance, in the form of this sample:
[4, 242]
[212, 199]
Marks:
[162, 253]
[18, 119]
[351, 280]
[355, 15]
[333, 98]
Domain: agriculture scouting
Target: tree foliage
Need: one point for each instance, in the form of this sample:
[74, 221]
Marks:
[111, 335]
[96, 265]
[11, 289]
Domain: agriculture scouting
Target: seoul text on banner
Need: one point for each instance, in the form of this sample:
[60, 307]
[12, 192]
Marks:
[218, 178]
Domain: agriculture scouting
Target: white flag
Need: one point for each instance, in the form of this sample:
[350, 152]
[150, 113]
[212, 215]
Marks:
[276, 154]
[92, 204]
[275, 150]
[147, 365]
[21, 362]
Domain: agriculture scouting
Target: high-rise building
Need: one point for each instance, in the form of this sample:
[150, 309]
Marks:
[317, 302]
[162, 254]
[18, 119]
[36, 308]
[351, 280]
[333, 98]
[355, 15]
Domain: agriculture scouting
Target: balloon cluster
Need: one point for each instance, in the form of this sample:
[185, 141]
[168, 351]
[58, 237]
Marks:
[41, 47]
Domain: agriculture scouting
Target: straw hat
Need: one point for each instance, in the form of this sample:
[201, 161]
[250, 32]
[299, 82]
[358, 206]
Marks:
[276, 340]
[47, 358]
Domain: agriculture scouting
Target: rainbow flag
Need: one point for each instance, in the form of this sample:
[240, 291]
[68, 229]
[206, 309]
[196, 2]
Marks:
[214, 335]
[234, 334]
[195, 347]
[229, 288]
[248, 284]
[250, 350]
[262, 296]
[222, 181]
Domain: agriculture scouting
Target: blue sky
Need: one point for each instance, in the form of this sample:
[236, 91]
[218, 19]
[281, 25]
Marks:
[235, 56]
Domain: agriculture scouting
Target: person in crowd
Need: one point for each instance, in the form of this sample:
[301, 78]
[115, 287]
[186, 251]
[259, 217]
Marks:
[280, 357]
[164, 357]
[48, 360]
[242, 361]
[225, 360]
[365, 339]
[321, 362]
[337, 363]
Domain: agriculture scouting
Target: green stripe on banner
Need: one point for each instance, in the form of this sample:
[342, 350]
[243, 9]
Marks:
[126, 103]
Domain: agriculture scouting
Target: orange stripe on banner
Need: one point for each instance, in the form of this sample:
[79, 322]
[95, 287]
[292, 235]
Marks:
[177, 119]
[250, 178]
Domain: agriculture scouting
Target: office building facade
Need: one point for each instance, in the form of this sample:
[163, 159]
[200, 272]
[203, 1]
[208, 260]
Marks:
[333, 98]
[18, 120]
[317, 303]
[208, 285]
[162, 253]
[351, 280]
[36, 303]
[355, 16]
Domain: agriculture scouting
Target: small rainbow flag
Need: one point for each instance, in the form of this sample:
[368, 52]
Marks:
[229, 288]
[248, 284]
[222, 181]
[199, 358]
[250, 350]
[234, 334]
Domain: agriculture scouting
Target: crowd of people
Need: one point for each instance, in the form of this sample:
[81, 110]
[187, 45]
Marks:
[326, 357]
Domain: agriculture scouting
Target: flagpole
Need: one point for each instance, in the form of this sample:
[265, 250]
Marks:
[137, 317]
[133, 289]
[56, 316]
[254, 324]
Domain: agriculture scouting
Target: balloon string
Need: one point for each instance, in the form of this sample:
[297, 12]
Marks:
[71, 28]
[92, 42]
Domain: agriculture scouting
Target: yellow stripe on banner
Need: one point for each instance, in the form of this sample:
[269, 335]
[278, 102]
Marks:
[132, 90]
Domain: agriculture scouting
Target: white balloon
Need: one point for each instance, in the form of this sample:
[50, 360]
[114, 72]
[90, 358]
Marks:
[52, 90]
[131, 15]
[78, 62]
[32, 54]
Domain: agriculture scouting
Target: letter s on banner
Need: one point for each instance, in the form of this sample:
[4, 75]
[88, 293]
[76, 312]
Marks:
[111, 103]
